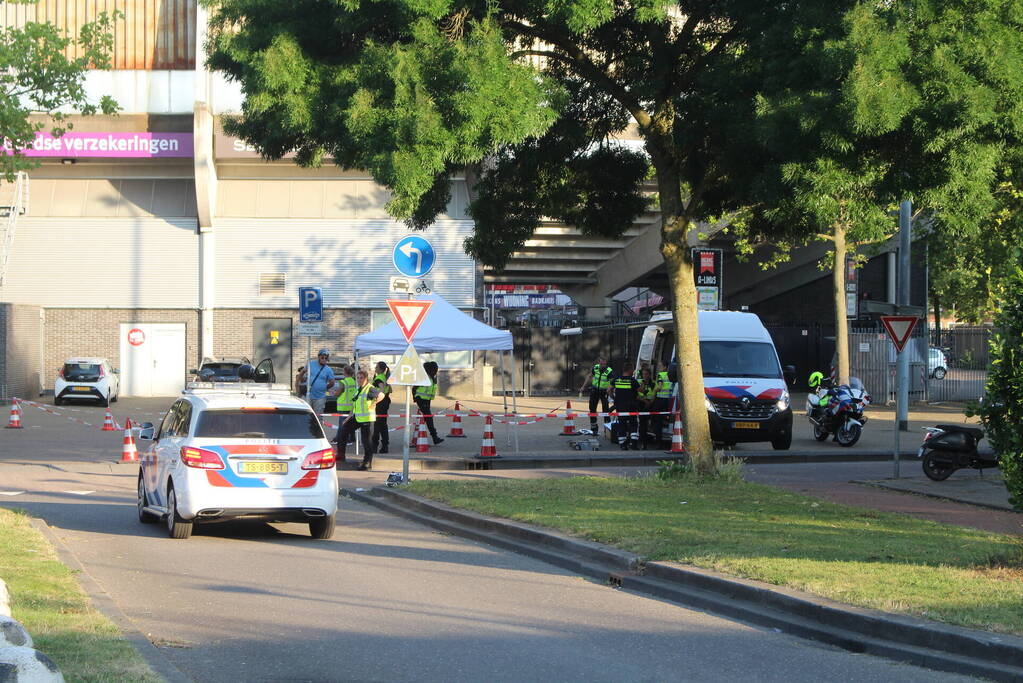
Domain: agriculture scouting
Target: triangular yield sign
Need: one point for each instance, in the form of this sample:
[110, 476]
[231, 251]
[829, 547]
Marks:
[409, 315]
[899, 328]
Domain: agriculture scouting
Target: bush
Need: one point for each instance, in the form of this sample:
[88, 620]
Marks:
[1001, 411]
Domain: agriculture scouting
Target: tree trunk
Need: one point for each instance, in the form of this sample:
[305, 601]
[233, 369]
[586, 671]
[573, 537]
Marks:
[675, 225]
[841, 321]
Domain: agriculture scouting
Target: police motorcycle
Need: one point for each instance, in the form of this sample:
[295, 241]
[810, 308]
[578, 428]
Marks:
[837, 411]
[947, 448]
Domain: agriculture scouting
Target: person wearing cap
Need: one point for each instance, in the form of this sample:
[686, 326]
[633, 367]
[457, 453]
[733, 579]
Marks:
[320, 380]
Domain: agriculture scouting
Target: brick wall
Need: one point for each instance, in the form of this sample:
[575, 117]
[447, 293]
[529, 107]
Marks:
[96, 332]
[19, 339]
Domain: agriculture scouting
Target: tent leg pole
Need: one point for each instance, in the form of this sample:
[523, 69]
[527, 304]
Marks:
[504, 397]
[515, 400]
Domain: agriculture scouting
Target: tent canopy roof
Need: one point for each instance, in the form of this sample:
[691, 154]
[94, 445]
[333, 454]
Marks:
[445, 329]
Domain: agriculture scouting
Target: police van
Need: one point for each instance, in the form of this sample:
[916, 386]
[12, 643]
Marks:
[745, 391]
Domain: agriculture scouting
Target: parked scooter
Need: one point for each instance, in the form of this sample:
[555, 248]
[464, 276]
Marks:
[837, 411]
[947, 448]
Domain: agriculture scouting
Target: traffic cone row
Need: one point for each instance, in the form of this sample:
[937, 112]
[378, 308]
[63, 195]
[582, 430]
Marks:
[108, 422]
[488, 449]
[422, 440]
[676, 436]
[14, 421]
[569, 428]
[456, 424]
[128, 451]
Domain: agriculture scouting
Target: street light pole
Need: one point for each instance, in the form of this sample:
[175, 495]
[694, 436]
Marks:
[902, 360]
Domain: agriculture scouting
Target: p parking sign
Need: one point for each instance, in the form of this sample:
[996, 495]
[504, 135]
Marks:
[310, 304]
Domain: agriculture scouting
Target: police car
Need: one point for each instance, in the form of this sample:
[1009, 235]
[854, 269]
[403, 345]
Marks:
[237, 450]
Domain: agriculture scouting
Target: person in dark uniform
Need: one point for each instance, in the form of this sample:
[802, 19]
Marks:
[599, 382]
[424, 395]
[380, 436]
[625, 391]
[647, 394]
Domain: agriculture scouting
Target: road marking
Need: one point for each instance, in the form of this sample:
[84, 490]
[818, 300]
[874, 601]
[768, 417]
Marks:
[80, 493]
[11, 493]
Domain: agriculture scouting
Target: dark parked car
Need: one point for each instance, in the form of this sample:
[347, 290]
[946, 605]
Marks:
[226, 370]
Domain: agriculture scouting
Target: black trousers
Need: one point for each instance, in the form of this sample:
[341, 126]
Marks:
[626, 423]
[597, 395]
[348, 428]
[424, 408]
[380, 436]
[657, 421]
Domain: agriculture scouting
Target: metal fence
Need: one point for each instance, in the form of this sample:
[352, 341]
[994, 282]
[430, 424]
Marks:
[951, 366]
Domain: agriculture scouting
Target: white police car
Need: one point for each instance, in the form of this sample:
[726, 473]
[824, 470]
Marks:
[239, 450]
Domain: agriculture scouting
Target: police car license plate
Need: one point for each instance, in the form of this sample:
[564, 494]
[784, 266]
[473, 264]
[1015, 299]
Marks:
[746, 425]
[264, 468]
[80, 389]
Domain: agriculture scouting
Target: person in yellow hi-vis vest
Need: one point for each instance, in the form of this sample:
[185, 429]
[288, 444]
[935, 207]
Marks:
[363, 415]
[661, 404]
[423, 396]
[599, 381]
[347, 390]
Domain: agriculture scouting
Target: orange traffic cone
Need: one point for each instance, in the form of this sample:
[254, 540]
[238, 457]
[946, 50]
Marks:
[456, 424]
[569, 428]
[128, 452]
[422, 440]
[488, 449]
[108, 422]
[676, 436]
[14, 421]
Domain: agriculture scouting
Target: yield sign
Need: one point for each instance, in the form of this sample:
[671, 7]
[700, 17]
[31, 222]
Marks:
[409, 314]
[899, 328]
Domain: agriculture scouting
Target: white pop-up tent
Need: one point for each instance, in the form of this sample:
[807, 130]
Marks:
[445, 328]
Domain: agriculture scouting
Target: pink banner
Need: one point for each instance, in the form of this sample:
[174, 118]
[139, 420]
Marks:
[111, 145]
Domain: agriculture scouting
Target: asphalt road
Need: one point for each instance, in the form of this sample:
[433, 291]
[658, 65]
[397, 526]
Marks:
[384, 600]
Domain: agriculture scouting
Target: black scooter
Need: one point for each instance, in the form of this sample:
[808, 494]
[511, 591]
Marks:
[948, 448]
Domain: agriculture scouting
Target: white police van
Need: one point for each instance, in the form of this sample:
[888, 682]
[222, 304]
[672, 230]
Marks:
[237, 450]
[745, 391]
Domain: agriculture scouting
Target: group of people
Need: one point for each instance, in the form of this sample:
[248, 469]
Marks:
[362, 401]
[649, 392]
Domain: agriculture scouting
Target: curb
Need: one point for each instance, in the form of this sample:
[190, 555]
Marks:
[102, 601]
[542, 461]
[902, 638]
[936, 496]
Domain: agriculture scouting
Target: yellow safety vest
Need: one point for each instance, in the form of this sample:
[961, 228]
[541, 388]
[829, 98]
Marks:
[427, 393]
[601, 380]
[362, 407]
[382, 377]
[663, 385]
[646, 389]
[347, 394]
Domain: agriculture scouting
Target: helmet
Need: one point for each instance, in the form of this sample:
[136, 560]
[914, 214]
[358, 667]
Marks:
[815, 379]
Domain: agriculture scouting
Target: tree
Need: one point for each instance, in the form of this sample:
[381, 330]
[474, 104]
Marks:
[38, 78]
[523, 97]
[1002, 410]
[912, 100]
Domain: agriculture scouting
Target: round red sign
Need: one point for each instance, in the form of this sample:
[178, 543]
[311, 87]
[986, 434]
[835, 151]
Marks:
[136, 337]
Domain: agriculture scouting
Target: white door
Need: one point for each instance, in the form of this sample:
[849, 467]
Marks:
[152, 359]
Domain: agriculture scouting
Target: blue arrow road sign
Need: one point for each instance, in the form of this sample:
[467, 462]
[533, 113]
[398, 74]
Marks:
[413, 256]
[310, 304]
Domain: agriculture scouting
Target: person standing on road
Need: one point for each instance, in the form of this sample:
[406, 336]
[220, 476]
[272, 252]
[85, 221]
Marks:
[321, 379]
[346, 396]
[625, 391]
[599, 381]
[423, 396]
[362, 416]
[647, 395]
[661, 404]
[380, 437]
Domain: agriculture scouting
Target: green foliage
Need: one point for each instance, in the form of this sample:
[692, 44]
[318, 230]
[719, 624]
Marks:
[37, 78]
[1001, 412]
[673, 469]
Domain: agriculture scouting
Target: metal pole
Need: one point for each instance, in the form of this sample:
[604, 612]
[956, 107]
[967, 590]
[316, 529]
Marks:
[404, 441]
[504, 394]
[902, 360]
[515, 402]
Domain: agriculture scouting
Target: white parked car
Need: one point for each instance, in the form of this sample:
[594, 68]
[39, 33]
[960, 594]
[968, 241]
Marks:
[937, 364]
[86, 378]
[239, 450]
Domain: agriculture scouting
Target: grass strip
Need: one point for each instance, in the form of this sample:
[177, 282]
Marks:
[47, 600]
[862, 557]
